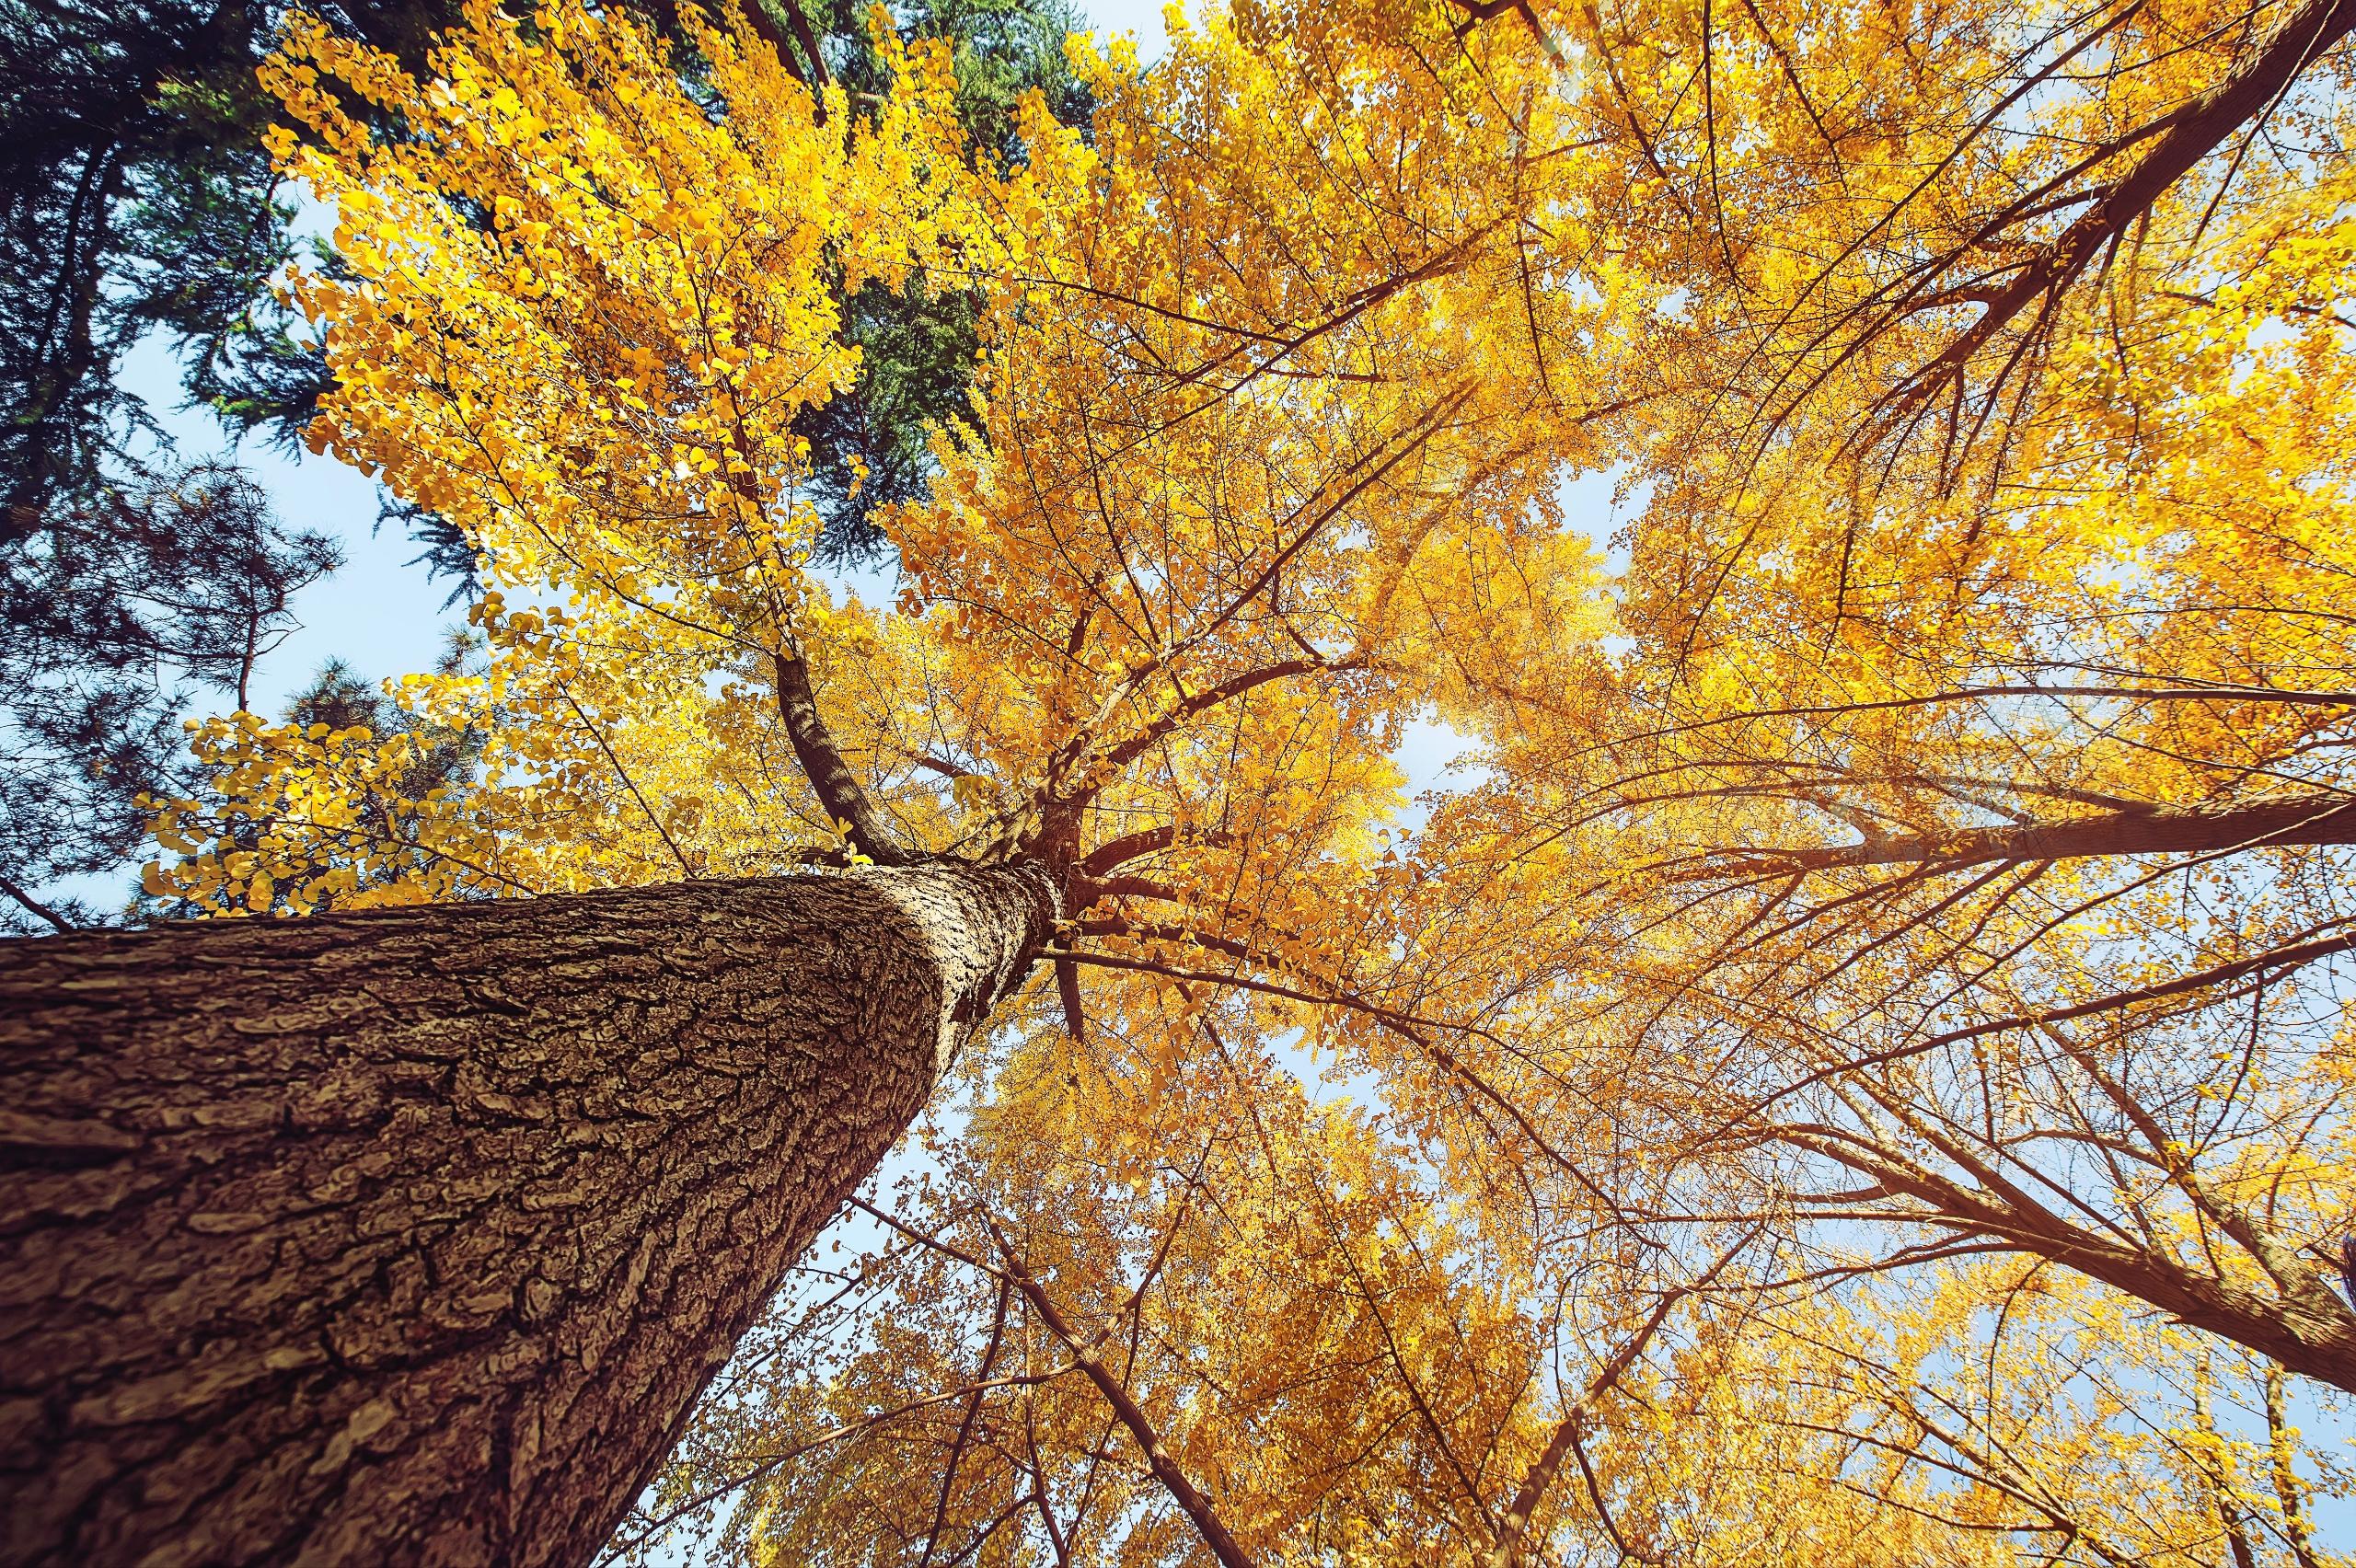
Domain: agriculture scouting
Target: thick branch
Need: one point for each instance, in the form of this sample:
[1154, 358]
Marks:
[2313, 819]
[1088, 891]
[1117, 852]
[1129, 847]
[2315, 1338]
[808, 41]
[2195, 131]
[757, 17]
[844, 797]
[1118, 925]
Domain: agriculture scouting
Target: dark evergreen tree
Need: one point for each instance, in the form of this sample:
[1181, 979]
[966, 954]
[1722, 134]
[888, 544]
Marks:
[134, 197]
[138, 199]
[125, 599]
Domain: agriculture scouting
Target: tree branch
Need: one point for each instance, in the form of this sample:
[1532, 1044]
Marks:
[964, 1430]
[2280, 958]
[2317, 818]
[1166, 1469]
[839, 792]
[598, 736]
[35, 906]
[2195, 130]
[1506, 1553]
[1116, 852]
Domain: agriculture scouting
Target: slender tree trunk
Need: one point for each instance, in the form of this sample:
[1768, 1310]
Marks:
[411, 1237]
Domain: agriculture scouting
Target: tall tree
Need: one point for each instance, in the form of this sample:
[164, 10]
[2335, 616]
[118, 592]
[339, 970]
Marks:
[409, 1237]
[1157, 639]
[1854, 1078]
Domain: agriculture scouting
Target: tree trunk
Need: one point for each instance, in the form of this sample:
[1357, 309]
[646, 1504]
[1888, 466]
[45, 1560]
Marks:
[411, 1236]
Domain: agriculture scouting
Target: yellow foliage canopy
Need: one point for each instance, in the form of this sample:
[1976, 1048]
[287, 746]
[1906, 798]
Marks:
[1856, 1072]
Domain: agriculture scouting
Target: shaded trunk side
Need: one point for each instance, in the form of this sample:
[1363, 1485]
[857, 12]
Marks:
[411, 1236]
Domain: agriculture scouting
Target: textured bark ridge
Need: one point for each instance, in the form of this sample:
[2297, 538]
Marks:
[410, 1235]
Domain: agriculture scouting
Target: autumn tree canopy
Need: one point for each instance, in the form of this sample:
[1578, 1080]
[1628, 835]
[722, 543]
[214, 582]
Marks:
[1849, 1068]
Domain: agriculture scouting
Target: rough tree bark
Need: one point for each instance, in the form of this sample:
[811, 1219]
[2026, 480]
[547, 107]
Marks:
[409, 1237]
